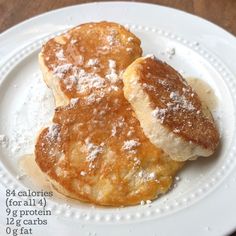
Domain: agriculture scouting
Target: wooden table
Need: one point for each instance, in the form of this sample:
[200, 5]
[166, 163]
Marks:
[221, 12]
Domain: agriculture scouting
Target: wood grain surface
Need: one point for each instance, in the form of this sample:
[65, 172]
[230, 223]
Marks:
[221, 12]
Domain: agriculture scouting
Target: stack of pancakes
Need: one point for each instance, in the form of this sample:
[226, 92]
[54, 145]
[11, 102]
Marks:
[123, 124]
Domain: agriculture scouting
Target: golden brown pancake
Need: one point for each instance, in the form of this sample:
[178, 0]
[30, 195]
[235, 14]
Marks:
[95, 150]
[169, 111]
[88, 59]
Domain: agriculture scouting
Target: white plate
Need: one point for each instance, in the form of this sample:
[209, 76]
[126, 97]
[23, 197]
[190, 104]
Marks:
[203, 202]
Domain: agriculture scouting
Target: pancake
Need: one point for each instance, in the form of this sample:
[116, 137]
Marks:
[97, 152]
[88, 60]
[170, 112]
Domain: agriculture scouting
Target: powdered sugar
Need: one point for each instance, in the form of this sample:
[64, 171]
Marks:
[88, 81]
[170, 52]
[120, 121]
[176, 130]
[95, 97]
[82, 79]
[130, 145]
[92, 62]
[70, 82]
[181, 101]
[60, 55]
[33, 113]
[146, 175]
[113, 88]
[112, 75]
[159, 113]
[53, 132]
[177, 102]
[113, 131]
[93, 150]
[148, 202]
[83, 173]
[148, 87]
[110, 39]
[73, 101]
[60, 70]
[91, 98]
[112, 64]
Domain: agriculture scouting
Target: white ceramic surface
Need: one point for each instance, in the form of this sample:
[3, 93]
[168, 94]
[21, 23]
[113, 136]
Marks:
[203, 200]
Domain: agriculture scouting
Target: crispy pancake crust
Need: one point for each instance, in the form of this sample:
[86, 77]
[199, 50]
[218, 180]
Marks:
[99, 153]
[169, 111]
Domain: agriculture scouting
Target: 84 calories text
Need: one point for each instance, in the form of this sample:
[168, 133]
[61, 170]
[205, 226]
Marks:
[25, 213]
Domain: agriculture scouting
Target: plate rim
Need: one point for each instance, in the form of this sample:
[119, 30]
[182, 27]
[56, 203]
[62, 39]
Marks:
[72, 6]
